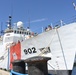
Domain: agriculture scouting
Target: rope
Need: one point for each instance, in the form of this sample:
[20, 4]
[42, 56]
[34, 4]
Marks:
[51, 39]
[45, 50]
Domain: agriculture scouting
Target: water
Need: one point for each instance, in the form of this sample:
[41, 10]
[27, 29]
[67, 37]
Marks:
[74, 71]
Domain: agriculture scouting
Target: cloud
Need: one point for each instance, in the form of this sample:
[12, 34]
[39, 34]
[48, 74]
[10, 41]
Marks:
[38, 20]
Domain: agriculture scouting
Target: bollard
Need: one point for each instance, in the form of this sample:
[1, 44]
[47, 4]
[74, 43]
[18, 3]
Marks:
[19, 66]
[37, 65]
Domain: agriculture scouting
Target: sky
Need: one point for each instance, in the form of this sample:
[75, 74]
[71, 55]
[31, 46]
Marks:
[39, 13]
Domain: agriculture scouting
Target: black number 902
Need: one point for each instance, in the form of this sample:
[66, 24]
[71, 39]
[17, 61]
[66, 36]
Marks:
[30, 50]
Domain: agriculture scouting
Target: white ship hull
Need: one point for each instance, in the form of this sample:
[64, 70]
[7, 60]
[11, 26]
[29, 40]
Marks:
[62, 43]
[59, 44]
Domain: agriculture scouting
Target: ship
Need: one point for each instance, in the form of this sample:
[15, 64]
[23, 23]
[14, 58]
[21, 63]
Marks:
[58, 43]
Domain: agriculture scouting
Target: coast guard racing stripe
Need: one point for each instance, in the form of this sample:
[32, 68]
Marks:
[15, 53]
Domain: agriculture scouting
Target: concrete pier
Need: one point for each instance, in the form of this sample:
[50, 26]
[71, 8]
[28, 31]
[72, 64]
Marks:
[2, 72]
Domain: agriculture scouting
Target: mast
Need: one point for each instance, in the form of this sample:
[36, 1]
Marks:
[1, 31]
[29, 23]
[9, 22]
[28, 20]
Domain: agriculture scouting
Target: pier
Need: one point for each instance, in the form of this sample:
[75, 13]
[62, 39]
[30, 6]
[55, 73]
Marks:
[2, 72]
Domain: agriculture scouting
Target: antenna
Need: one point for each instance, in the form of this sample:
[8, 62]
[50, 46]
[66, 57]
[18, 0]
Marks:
[11, 14]
[11, 7]
[28, 21]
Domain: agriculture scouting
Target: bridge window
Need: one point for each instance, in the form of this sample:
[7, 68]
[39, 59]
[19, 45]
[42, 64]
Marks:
[15, 31]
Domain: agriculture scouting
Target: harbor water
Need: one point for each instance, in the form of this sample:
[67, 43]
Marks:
[74, 71]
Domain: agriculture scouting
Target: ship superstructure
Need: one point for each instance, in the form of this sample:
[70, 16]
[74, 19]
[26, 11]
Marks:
[12, 35]
[15, 34]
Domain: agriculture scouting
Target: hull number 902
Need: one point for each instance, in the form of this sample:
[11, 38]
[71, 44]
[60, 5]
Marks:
[30, 50]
